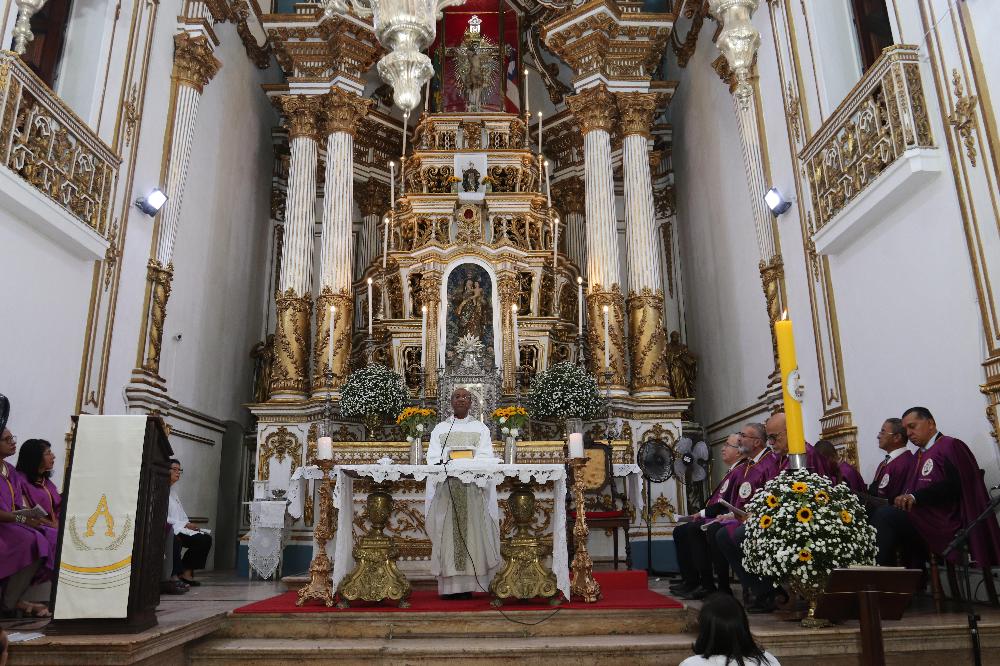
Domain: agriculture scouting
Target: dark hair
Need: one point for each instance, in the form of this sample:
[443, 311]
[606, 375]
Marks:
[174, 461]
[921, 412]
[29, 459]
[723, 629]
[897, 428]
[825, 448]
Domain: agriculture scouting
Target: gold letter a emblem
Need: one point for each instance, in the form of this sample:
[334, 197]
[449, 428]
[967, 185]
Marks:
[101, 510]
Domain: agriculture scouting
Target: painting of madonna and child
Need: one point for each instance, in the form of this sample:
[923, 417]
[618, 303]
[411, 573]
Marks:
[470, 312]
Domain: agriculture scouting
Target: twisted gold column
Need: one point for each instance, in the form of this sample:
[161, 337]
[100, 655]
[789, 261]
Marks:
[596, 300]
[430, 295]
[508, 288]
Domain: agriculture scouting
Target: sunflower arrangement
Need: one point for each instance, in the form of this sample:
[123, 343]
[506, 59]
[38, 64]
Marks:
[511, 419]
[415, 421]
[800, 528]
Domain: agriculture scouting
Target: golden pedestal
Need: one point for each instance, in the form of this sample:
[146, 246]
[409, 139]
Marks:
[582, 581]
[376, 577]
[522, 575]
[320, 585]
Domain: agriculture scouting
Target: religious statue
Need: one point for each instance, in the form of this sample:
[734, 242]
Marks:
[471, 309]
[476, 67]
[470, 179]
[263, 363]
[682, 365]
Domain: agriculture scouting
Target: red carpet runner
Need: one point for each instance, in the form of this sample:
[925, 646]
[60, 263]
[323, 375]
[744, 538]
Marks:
[621, 590]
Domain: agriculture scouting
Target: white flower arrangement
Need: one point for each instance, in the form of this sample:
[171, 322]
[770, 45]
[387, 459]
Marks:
[373, 390]
[565, 390]
[800, 528]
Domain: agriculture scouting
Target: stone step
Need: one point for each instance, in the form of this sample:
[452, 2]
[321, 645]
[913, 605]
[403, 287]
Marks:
[373, 625]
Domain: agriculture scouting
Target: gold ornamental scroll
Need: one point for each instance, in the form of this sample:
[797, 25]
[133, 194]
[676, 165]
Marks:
[430, 295]
[291, 341]
[508, 286]
[648, 341]
[596, 300]
[343, 321]
[159, 279]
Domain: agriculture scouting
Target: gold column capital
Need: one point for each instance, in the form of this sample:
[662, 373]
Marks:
[303, 114]
[569, 195]
[594, 108]
[637, 110]
[194, 63]
[343, 111]
[372, 197]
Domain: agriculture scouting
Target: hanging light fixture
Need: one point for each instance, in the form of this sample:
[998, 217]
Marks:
[405, 28]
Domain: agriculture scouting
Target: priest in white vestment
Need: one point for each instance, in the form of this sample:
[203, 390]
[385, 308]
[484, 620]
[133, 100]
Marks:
[462, 518]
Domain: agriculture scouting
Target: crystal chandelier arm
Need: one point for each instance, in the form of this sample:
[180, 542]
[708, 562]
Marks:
[441, 4]
[362, 8]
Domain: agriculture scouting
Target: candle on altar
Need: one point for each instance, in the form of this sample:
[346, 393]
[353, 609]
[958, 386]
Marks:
[555, 244]
[607, 343]
[402, 175]
[579, 305]
[369, 307]
[527, 106]
[539, 132]
[576, 445]
[548, 185]
[392, 185]
[423, 337]
[427, 97]
[386, 221]
[790, 385]
[324, 448]
[517, 338]
[333, 324]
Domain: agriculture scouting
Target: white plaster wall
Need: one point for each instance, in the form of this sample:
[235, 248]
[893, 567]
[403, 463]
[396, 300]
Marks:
[838, 56]
[727, 324]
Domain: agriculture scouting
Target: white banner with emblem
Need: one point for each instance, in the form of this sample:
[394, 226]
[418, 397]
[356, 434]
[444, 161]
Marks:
[95, 565]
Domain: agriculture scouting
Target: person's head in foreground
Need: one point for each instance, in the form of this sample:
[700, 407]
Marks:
[724, 636]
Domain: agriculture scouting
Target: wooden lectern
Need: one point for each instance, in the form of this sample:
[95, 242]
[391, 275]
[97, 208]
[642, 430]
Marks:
[869, 594]
[138, 571]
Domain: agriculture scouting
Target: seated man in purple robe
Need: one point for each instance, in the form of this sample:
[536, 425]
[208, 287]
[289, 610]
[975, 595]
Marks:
[943, 493]
[697, 554]
[842, 471]
[894, 470]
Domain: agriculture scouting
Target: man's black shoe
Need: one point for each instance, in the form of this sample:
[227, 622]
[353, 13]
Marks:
[682, 588]
[698, 593]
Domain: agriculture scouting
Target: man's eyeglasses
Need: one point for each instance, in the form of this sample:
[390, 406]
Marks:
[176, 469]
[9, 438]
[772, 438]
[742, 436]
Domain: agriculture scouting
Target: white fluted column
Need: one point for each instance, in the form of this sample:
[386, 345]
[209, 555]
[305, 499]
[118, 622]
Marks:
[290, 376]
[343, 111]
[647, 342]
[570, 194]
[594, 108]
[372, 197]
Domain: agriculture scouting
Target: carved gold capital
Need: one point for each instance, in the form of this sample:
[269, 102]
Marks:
[636, 110]
[194, 63]
[343, 111]
[372, 197]
[303, 114]
[569, 195]
[291, 344]
[344, 320]
[594, 108]
[596, 300]
[647, 341]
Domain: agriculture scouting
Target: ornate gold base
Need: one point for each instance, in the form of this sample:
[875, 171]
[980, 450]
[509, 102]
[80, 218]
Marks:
[319, 587]
[522, 575]
[376, 576]
[582, 582]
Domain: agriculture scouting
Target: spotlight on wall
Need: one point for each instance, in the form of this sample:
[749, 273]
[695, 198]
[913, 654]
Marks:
[152, 202]
[776, 201]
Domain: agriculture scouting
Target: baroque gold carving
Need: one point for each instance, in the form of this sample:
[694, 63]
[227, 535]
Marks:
[303, 113]
[278, 445]
[568, 195]
[160, 278]
[772, 275]
[596, 300]
[594, 108]
[637, 110]
[259, 54]
[430, 295]
[342, 111]
[508, 287]
[341, 338]
[647, 343]
[194, 63]
[682, 365]
[371, 196]
[963, 118]
[292, 344]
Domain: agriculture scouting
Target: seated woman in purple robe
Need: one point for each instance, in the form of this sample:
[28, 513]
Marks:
[841, 471]
[34, 462]
[23, 547]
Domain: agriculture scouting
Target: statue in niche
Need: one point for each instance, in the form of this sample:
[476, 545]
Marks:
[263, 364]
[470, 311]
[470, 179]
[682, 365]
[477, 64]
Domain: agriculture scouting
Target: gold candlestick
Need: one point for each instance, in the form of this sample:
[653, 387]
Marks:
[320, 585]
[582, 581]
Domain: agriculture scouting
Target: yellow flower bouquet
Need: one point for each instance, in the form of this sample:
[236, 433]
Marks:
[511, 419]
[415, 421]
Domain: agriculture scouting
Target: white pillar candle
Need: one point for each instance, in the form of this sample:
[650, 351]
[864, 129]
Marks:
[333, 324]
[579, 305]
[402, 176]
[392, 186]
[576, 445]
[423, 337]
[427, 97]
[370, 309]
[527, 106]
[517, 340]
[555, 247]
[548, 185]
[324, 448]
[539, 132]
[607, 345]
[385, 239]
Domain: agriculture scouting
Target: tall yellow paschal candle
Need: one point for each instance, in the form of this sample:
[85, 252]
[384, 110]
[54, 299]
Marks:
[790, 386]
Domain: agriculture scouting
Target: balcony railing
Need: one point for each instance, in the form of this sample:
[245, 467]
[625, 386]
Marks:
[882, 118]
[49, 147]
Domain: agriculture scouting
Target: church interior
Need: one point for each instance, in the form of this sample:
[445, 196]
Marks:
[283, 236]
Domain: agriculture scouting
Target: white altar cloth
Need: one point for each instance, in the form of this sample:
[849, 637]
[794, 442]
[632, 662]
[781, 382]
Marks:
[482, 473]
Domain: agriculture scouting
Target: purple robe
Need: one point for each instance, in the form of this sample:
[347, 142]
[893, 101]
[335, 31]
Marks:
[755, 477]
[815, 463]
[20, 545]
[850, 476]
[727, 487]
[46, 496]
[938, 524]
[890, 480]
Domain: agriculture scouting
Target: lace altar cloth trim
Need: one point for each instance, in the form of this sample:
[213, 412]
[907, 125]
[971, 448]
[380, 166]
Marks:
[267, 536]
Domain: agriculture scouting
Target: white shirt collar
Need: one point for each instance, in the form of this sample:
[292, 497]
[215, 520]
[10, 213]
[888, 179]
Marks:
[895, 453]
[760, 455]
[933, 439]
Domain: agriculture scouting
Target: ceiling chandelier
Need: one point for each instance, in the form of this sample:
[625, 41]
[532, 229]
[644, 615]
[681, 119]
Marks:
[405, 28]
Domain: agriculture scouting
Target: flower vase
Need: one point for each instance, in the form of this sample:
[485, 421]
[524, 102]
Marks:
[811, 594]
[371, 423]
[510, 450]
[416, 450]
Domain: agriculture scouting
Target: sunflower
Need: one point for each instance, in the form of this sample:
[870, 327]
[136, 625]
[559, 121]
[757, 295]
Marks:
[804, 514]
[805, 555]
[822, 497]
[772, 501]
[800, 487]
[765, 521]
[846, 517]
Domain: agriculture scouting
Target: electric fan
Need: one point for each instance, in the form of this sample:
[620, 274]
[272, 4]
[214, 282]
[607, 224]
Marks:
[689, 464]
[656, 460]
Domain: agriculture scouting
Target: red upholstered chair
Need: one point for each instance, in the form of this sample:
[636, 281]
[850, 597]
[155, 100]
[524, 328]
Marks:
[606, 509]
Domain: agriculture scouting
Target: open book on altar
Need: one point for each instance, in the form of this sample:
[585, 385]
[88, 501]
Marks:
[459, 445]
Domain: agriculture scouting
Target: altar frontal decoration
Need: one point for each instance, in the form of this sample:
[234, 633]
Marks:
[800, 528]
[564, 391]
[374, 393]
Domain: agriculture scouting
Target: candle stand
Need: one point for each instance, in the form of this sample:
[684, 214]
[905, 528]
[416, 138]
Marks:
[320, 585]
[582, 582]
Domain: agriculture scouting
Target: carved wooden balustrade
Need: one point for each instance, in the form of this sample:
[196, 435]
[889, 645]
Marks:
[43, 142]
